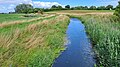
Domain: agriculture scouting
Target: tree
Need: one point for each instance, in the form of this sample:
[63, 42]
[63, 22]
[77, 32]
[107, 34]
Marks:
[86, 8]
[38, 10]
[31, 11]
[92, 8]
[24, 8]
[79, 7]
[117, 10]
[59, 7]
[109, 7]
[114, 8]
[101, 8]
[54, 6]
[67, 6]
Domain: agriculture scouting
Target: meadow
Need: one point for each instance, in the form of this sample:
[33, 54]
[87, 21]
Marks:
[37, 41]
[12, 17]
[34, 43]
[82, 12]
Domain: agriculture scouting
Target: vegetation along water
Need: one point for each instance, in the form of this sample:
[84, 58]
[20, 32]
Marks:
[31, 36]
[104, 31]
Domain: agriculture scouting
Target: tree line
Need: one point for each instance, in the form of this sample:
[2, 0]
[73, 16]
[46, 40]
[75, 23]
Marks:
[27, 8]
[109, 7]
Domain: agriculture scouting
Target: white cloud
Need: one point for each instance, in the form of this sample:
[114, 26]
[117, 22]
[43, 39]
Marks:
[15, 1]
[45, 4]
[9, 5]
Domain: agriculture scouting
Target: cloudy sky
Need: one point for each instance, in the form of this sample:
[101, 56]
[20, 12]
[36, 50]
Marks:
[9, 5]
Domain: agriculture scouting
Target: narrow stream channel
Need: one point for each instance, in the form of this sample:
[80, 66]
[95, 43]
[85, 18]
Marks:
[79, 51]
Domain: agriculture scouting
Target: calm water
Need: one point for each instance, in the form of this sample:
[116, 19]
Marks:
[79, 50]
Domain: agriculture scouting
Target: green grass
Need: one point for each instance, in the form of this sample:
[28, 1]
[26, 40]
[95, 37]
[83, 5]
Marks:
[38, 42]
[13, 17]
[104, 31]
[33, 45]
[13, 27]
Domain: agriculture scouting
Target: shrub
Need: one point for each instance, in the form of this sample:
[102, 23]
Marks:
[117, 10]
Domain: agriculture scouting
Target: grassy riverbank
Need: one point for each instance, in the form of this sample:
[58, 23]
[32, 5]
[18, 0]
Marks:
[34, 43]
[37, 41]
[104, 31]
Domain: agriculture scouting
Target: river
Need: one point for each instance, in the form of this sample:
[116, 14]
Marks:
[79, 51]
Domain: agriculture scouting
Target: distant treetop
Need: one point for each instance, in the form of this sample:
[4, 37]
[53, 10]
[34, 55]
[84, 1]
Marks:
[117, 10]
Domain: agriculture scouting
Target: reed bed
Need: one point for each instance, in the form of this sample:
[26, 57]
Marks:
[104, 31]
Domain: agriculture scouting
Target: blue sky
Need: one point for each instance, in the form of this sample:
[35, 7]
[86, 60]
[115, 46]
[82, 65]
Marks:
[9, 5]
[83, 2]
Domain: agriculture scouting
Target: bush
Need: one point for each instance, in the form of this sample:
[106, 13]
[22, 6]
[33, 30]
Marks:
[117, 10]
[24, 8]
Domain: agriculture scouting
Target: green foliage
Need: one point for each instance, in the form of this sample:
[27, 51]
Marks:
[109, 7]
[80, 8]
[24, 8]
[104, 32]
[38, 10]
[27, 8]
[67, 6]
[55, 9]
[92, 8]
[54, 6]
[59, 7]
[101, 8]
[117, 10]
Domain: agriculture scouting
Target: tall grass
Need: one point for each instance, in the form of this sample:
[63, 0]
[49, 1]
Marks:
[35, 45]
[7, 27]
[104, 31]
[4, 24]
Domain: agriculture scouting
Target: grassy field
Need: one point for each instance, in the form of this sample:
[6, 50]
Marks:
[34, 43]
[104, 31]
[37, 41]
[83, 12]
[11, 17]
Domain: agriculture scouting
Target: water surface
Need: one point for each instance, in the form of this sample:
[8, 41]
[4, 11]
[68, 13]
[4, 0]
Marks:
[79, 50]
